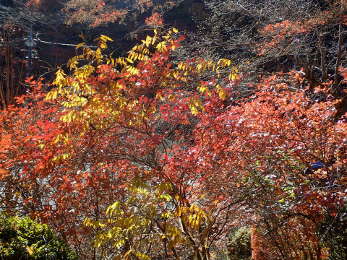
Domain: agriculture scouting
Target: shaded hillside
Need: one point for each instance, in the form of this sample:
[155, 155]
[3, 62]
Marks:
[299, 34]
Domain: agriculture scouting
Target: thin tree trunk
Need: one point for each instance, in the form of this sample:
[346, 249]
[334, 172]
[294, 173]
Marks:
[338, 55]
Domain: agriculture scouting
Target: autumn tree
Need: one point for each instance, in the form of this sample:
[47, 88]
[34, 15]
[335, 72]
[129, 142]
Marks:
[270, 36]
[127, 102]
[95, 13]
[239, 154]
[148, 108]
[279, 131]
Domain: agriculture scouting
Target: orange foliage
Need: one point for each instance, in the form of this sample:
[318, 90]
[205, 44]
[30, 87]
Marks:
[173, 123]
[155, 20]
[283, 31]
[257, 245]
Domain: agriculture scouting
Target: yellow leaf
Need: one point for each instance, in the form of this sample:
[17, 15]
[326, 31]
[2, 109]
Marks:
[30, 250]
[183, 66]
[52, 95]
[221, 92]
[161, 46]
[105, 38]
[233, 76]
[129, 60]
[224, 62]
[59, 78]
[142, 256]
[194, 110]
[65, 156]
[102, 45]
[154, 39]
[148, 41]
[202, 89]
[80, 45]
[68, 117]
[128, 253]
[199, 67]
[132, 70]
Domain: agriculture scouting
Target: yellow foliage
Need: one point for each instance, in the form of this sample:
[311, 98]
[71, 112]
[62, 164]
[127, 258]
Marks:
[221, 92]
[195, 106]
[99, 90]
[161, 46]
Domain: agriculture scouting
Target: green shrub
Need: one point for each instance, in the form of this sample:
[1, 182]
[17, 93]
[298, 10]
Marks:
[240, 244]
[23, 238]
